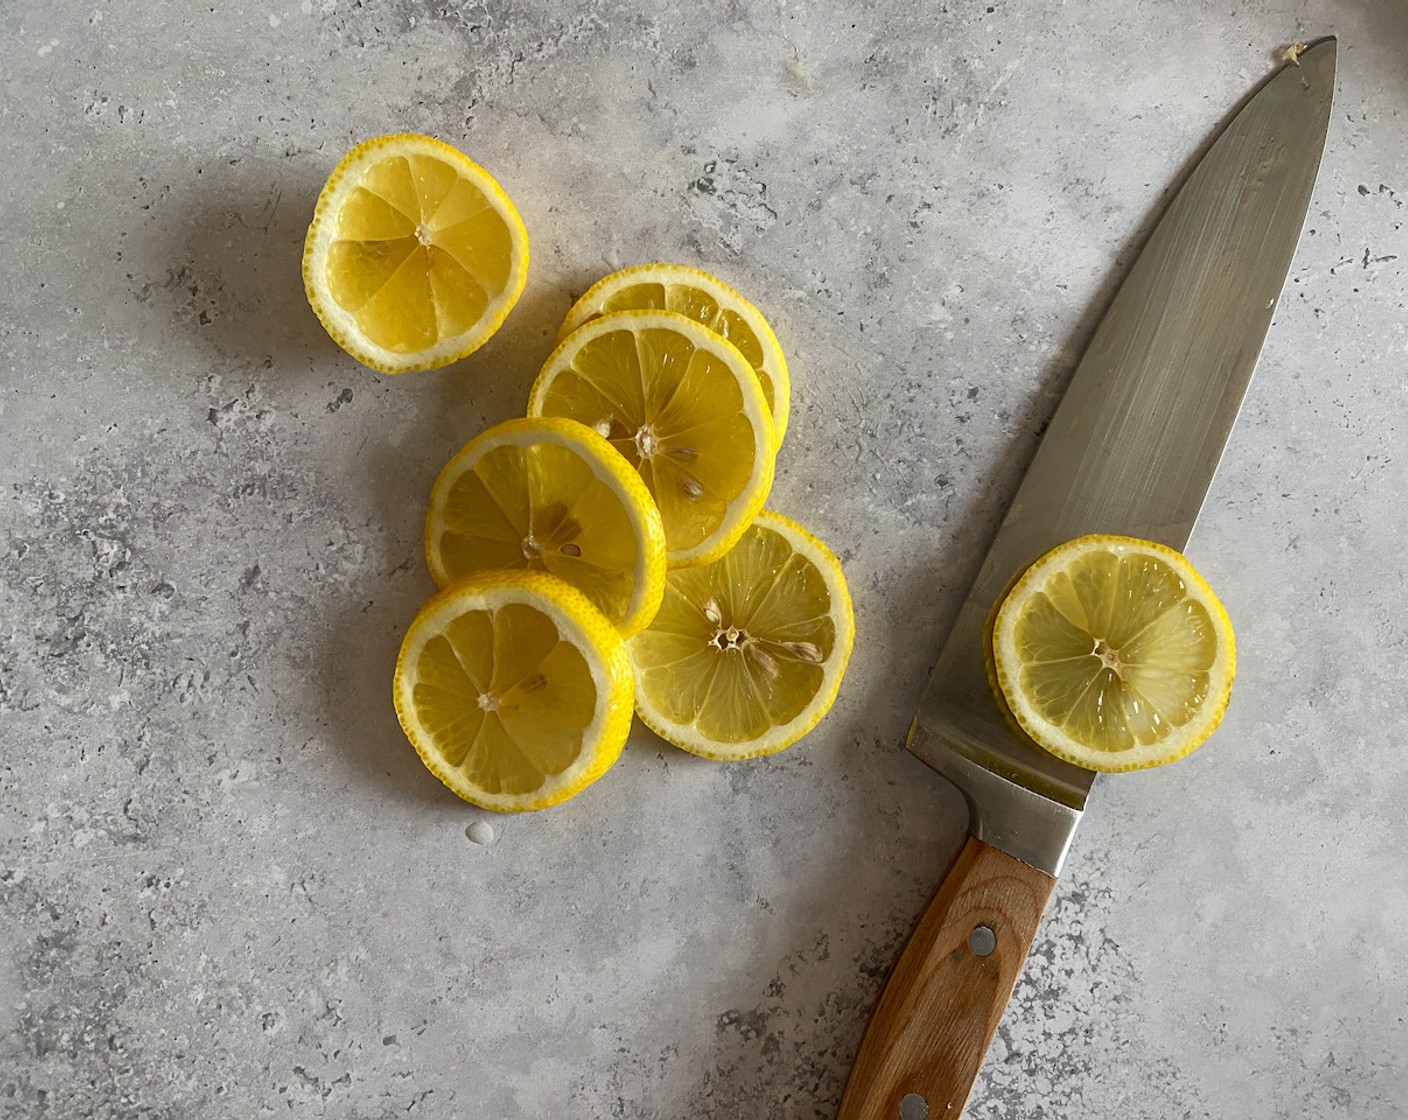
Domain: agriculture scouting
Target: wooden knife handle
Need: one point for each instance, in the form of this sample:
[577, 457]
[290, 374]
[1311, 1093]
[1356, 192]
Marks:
[945, 998]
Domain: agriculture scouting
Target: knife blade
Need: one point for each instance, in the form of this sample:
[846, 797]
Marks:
[1131, 449]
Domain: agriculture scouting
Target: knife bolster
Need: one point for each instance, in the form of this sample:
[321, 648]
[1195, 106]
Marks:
[1034, 826]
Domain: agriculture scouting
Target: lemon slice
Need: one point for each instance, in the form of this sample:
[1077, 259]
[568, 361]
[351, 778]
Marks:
[549, 494]
[514, 690]
[415, 255]
[746, 654]
[691, 292]
[684, 407]
[1114, 653]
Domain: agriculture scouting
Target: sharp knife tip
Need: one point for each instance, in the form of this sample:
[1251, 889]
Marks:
[1321, 51]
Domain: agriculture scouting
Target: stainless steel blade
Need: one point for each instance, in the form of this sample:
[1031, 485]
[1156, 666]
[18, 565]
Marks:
[1133, 446]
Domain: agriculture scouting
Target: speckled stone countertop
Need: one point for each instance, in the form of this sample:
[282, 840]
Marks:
[227, 886]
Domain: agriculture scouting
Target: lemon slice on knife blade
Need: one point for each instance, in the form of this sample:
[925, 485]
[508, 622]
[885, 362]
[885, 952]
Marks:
[1114, 653]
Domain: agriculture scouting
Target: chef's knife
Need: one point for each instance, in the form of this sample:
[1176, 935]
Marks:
[1131, 450]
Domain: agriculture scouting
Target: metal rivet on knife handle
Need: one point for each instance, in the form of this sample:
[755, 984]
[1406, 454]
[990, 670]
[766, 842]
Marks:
[982, 941]
[913, 1107]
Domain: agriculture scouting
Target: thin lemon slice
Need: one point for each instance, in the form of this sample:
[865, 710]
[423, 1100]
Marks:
[746, 654]
[684, 407]
[415, 255]
[1114, 653]
[514, 690]
[691, 292]
[549, 494]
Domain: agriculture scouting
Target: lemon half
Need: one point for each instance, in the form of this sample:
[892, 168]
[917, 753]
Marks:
[1114, 654]
[415, 255]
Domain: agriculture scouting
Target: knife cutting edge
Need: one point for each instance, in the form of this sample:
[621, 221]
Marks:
[1131, 450]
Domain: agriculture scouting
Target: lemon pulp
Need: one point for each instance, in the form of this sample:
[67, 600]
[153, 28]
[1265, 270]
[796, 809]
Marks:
[415, 254]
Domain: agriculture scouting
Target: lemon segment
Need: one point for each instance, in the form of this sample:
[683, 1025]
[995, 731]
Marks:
[746, 654]
[684, 408]
[549, 494]
[697, 295]
[514, 690]
[1114, 654]
[415, 255]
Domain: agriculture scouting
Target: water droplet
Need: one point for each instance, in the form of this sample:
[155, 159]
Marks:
[480, 832]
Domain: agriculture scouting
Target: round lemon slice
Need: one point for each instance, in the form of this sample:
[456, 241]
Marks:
[549, 494]
[514, 690]
[415, 255]
[1114, 653]
[684, 407]
[746, 654]
[698, 295]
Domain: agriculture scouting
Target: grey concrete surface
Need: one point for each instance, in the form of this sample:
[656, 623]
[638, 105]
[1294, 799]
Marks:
[227, 886]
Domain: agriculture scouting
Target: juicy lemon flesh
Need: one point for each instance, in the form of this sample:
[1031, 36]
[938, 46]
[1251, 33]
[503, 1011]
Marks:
[419, 253]
[541, 507]
[699, 305]
[1115, 652]
[503, 699]
[738, 646]
[674, 411]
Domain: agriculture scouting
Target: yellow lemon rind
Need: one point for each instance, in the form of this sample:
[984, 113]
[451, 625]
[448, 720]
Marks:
[578, 622]
[782, 736]
[772, 376]
[340, 324]
[1053, 738]
[609, 467]
[749, 502]
[990, 662]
